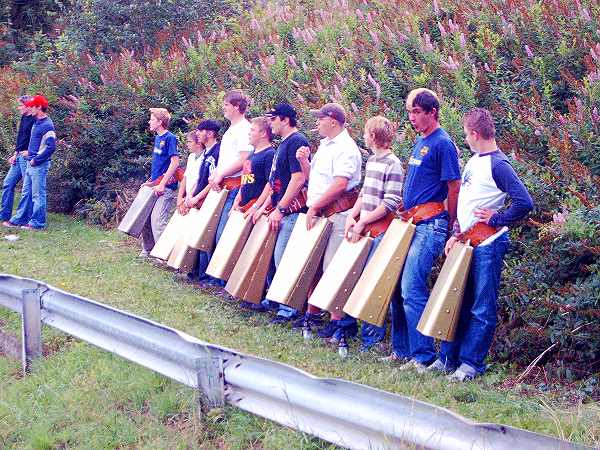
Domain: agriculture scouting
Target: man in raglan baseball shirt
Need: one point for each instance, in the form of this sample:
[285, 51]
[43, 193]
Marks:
[487, 180]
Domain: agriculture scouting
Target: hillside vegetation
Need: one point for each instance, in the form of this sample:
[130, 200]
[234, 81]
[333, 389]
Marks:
[534, 64]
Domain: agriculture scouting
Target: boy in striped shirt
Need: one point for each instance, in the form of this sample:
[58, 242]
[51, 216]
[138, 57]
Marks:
[381, 195]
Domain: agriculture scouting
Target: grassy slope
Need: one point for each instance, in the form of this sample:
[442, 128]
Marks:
[83, 397]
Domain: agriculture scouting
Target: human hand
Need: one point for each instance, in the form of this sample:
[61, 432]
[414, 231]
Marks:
[484, 215]
[275, 219]
[303, 153]
[310, 218]
[449, 244]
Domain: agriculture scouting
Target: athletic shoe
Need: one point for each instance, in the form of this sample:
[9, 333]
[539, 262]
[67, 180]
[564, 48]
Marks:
[462, 374]
[9, 224]
[315, 320]
[394, 358]
[328, 330]
[280, 320]
[413, 365]
[438, 367]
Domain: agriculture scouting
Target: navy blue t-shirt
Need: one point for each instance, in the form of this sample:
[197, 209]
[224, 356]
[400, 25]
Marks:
[255, 174]
[433, 163]
[285, 164]
[210, 158]
[165, 146]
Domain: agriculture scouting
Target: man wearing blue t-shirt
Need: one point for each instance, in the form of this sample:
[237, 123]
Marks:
[433, 177]
[165, 160]
[31, 212]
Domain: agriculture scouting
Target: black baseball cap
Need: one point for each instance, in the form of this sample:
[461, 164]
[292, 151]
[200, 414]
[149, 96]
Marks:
[209, 124]
[282, 110]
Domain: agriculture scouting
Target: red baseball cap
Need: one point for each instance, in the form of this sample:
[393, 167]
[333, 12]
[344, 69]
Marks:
[37, 101]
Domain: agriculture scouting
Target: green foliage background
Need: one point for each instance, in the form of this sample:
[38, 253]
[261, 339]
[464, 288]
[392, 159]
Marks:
[535, 65]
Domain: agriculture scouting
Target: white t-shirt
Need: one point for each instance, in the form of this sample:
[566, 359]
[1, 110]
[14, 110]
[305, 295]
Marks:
[192, 169]
[234, 142]
[337, 157]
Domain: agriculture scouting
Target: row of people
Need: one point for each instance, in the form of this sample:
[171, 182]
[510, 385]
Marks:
[291, 179]
[30, 162]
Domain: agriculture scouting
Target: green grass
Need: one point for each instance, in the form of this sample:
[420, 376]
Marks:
[83, 397]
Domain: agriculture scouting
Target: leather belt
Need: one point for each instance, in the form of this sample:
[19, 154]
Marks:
[232, 183]
[248, 205]
[343, 203]
[177, 176]
[422, 212]
[380, 226]
[298, 203]
[477, 233]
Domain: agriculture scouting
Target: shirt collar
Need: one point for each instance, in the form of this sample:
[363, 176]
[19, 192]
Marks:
[336, 140]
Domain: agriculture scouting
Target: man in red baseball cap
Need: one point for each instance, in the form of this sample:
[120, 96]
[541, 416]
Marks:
[31, 212]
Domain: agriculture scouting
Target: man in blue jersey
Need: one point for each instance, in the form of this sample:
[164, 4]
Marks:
[165, 160]
[31, 212]
[433, 177]
[487, 180]
[17, 161]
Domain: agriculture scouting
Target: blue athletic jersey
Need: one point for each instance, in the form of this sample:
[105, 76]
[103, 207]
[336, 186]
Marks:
[165, 147]
[434, 162]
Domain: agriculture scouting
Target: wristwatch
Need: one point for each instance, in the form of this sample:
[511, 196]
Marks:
[283, 211]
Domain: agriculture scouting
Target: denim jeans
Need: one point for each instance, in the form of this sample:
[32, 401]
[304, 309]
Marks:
[15, 173]
[32, 206]
[285, 231]
[478, 314]
[204, 257]
[426, 246]
[372, 334]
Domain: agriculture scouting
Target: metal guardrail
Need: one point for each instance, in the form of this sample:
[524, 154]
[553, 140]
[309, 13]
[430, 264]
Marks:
[344, 413]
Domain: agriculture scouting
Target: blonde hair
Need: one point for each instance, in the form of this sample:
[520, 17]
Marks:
[382, 129]
[162, 115]
[410, 98]
[264, 123]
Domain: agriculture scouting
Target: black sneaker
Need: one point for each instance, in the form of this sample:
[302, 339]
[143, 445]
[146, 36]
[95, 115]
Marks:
[252, 306]
[279, 320]
[328, 330]
[315, 320]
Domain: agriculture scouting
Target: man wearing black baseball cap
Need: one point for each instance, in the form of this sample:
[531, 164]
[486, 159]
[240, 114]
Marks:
[286, 180]
[207, 134]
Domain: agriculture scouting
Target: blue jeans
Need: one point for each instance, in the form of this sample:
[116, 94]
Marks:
[15, 173]
[426, 246]
[478, 316]
[372, 334]
[204, 257]
[285, 231]
[32, 206]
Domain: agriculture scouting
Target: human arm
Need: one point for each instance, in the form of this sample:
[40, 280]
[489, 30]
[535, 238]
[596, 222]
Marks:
[295, 185]
[333, 192]
[303, 155]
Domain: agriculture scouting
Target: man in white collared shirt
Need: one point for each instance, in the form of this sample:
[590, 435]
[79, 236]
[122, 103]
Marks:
[333, 175]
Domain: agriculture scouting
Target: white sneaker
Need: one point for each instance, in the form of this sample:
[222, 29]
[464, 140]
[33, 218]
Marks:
[413, 365]
[462, 374]
[438, 367]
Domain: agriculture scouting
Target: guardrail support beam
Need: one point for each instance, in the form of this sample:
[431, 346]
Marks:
[211, 383]
[31, 335]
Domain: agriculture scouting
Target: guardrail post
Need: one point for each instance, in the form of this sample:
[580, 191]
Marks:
[31, 335]
[211, 383]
